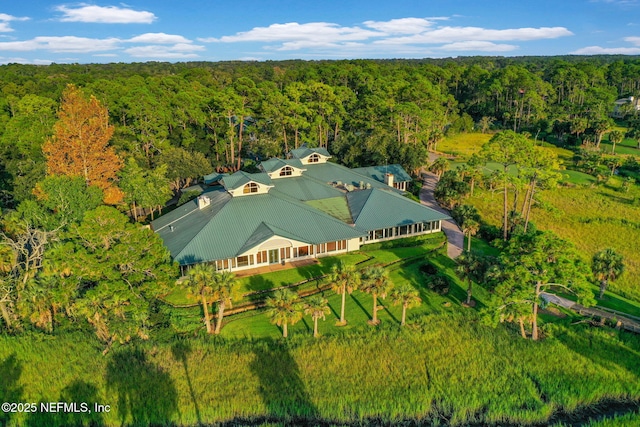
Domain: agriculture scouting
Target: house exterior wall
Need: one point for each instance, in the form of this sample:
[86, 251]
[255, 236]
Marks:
[294, 172]
[278, 249]
[240, 191]
[399, 232]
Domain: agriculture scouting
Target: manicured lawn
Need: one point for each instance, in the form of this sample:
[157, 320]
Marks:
[295, 275]
[358, 307]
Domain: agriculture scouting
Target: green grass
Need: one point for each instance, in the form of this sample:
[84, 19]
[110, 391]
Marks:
[577, 178]
[591, 218]
[416, 246]
[463, 144]
[440, 367]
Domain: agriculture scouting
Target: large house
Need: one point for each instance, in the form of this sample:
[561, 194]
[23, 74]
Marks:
[296, 208]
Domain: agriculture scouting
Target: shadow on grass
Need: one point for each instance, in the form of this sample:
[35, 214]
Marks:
[10, 390]
[361, 307]
[146, 393]
[259, 283]
[78, 393]
[180, 351]
[281, 388]
[602, 349]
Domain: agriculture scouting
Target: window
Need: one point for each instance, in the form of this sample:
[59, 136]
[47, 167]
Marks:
[331, 246]
[314, 158]
[379, 234]
[286, 171]
[251, 187]
[243, 261]
[303, 251]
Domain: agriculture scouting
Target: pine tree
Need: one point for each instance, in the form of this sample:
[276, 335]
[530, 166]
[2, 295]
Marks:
[80, 147]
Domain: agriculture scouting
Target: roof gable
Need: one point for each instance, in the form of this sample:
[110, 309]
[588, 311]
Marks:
[375, 209]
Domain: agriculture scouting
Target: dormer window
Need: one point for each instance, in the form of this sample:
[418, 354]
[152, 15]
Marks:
[286, 171]
[314, 158]
[251, 187]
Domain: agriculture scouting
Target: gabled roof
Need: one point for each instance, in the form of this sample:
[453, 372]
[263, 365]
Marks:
[240, 179]
[214, 177]
[378, 172]
[303, 152]
[241, 221]
[274, 164]
[178, 227]
[375, 209]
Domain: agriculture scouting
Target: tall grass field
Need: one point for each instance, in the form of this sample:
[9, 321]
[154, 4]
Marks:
[444, 369]
[592, 216]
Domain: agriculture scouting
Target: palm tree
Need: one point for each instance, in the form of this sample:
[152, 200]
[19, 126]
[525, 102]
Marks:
[317, 307]
[615, 137]
[440, 166]
[470, 228]
[344, 278]
[284, 309]
[225, 292]
[607, 265]
[406, 295]
[468, 268]
[376, 283]
[201, 285]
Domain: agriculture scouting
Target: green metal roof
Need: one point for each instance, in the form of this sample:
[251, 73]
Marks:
[337, 207]
[308, 208]
[302, 152]
[375, 209]
[304, 188]
[274, 164]
[240, 179]
[214, 177]
[378, 172]
[333, 172]
[237, 224]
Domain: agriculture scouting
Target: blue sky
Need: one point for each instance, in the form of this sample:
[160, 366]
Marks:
[41, 32]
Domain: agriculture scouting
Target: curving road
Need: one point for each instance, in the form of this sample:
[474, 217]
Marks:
[455, 238]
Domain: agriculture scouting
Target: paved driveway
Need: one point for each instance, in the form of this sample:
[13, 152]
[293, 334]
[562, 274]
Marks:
[454, 234]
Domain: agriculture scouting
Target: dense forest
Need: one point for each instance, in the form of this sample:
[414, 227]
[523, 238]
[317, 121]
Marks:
[196, 117]
[89, 153]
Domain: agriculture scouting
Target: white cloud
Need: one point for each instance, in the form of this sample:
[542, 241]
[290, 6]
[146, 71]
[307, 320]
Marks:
[177, 51]
[456, 34]
[105, 15]
[391, 37]
[597, 50]
[5, 27]
[61, 44]
[478, 46]
[158, 38]
[633, 40]
[313, 32]
[403, 25]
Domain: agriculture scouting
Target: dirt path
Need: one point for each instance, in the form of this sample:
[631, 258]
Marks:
[454, 235]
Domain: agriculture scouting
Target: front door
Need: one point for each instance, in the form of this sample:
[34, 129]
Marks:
[273, 256]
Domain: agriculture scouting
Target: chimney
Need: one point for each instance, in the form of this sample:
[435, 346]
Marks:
[388, 179]
[203, 202]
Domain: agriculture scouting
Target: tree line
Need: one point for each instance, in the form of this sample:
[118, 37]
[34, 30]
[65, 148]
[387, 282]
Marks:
[196, 117]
